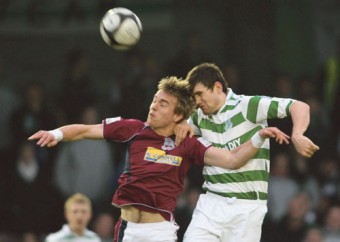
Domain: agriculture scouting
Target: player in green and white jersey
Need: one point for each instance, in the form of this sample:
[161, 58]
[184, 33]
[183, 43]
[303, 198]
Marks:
[235, 202]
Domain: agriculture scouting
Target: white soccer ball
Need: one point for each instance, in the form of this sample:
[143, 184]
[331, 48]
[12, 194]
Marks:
[120, 28]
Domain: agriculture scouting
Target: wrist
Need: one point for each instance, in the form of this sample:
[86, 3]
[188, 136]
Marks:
[257, 140]
[57, 133]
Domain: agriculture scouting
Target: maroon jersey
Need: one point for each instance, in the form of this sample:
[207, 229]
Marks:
[155, 168]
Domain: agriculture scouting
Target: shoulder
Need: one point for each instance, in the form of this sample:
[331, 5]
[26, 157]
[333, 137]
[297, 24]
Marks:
[92, 236]
[121, 129]
[121, 121]
[57, 236]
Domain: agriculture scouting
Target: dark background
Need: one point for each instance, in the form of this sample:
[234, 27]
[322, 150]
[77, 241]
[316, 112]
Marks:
[262, 39]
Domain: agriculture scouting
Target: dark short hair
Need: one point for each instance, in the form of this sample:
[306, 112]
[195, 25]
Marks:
[180, 89]
[206, 74]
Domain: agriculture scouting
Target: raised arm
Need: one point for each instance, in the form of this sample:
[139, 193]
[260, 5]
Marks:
[70, 132]
[299, 112]
[238, 157]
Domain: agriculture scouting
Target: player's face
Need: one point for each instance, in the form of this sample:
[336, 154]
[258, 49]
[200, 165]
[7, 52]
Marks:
[207, 99]
[78, 216]
[162, 110]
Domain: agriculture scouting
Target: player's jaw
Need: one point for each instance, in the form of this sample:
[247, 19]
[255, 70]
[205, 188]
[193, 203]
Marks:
[207, 107]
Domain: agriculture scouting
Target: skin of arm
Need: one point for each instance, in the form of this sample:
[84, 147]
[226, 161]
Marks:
[70, 132]
[300, 114]
[238, 157]
[80, 131]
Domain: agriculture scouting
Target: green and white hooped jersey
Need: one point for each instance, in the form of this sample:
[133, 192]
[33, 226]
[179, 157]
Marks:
[234, 124]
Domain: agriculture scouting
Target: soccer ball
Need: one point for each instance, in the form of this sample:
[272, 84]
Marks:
[120, 28]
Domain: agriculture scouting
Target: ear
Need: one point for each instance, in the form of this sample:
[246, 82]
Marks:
[218, 87]
[178, 117]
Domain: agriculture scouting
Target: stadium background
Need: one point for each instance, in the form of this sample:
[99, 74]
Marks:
[262, 39]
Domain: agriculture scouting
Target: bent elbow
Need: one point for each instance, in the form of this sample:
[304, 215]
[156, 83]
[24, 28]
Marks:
[232, 165]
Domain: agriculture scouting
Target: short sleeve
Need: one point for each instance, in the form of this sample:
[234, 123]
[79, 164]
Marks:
[196, 149]
[122, 130]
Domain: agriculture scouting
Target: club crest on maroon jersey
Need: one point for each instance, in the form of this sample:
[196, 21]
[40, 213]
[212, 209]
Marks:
[169, 144]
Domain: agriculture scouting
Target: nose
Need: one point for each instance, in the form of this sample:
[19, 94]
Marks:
[198, 100]
[153, 106]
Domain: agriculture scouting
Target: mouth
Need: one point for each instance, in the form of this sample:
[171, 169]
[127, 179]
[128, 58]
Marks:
[201, 107]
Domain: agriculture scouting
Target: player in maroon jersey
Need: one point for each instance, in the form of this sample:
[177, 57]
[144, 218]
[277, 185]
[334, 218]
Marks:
[155, 168]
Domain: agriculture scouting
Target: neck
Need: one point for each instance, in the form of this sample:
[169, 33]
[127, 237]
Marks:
[77, 231]
[166, 132]
[222, 101]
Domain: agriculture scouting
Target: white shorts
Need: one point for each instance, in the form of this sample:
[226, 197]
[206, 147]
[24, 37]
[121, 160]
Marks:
[152, 232]
[222, 219]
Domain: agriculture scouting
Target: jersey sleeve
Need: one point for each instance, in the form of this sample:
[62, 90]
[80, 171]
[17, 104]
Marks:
[196, 147]
[122, 130]
[260, 108]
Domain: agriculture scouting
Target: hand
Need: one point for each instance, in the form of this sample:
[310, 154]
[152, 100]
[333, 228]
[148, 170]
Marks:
[272, 132]
[44, 138]
[181, 131]
[304, 146]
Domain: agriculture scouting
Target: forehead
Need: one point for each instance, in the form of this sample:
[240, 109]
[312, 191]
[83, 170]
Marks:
[199, 87]
[167, 97]
[79, 206]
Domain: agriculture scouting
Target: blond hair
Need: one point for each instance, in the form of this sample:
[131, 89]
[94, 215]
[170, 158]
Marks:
[77, 198]
[180, 89]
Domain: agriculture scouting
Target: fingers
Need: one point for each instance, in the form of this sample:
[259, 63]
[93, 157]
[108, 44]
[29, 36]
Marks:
[305, 147]
[191, 133]
[179, 138]
[280, 137]
[44, 138]
[309, 152]
[36, 135]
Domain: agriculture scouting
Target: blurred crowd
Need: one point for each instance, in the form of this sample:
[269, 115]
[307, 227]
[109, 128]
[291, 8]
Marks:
[304, 194]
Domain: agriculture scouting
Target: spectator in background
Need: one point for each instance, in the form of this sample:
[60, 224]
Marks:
[77, 88]
[306, 87]
[8, 103]
[103, 225]
[78, 213]
[328, 180]
[306, 180]
[86, 166]
[283, 86]
[30, 237]
[281, 186]
[313, 234]
[331, 228]
[329, 91]
[33, 199]
[33, 114]
[293, 226]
